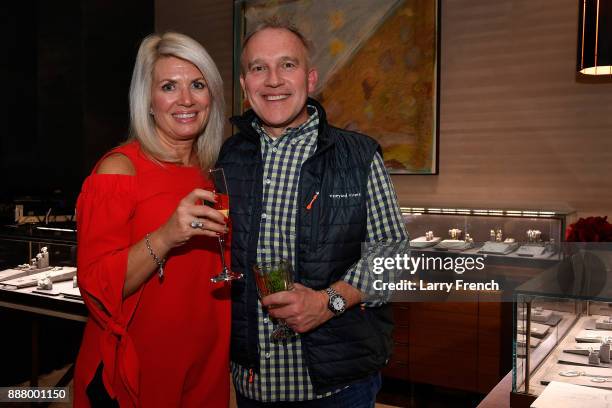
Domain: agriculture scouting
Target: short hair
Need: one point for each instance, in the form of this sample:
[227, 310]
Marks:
[142, 123]
[278, 23]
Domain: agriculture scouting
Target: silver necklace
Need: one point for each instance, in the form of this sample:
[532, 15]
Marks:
[593, 377]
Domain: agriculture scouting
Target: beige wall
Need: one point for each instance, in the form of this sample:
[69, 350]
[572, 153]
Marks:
[516, 129]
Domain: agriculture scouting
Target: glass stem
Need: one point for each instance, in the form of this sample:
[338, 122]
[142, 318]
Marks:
[222, 250]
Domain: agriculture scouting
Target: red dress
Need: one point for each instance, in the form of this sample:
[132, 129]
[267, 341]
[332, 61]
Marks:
[166, 345]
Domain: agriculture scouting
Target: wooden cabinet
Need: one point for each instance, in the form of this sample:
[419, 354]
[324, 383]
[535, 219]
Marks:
[455, 345]
[468, 345]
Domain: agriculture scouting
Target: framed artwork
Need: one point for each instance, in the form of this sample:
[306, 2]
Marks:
[378, 63]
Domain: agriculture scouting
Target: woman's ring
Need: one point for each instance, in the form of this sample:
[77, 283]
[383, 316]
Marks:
[196, 224]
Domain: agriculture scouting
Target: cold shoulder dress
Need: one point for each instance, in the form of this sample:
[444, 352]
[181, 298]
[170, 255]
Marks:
[166, 345]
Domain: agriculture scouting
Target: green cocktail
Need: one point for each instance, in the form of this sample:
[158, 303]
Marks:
[272, 277]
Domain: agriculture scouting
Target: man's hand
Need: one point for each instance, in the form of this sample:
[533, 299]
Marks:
[302, 308]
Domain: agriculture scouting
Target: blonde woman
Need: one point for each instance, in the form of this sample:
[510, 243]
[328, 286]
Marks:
[158, 332]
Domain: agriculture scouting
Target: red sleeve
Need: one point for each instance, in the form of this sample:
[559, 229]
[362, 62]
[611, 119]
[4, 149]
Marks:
[104, 209]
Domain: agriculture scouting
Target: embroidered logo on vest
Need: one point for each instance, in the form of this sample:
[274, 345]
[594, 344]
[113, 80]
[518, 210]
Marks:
[345, 195]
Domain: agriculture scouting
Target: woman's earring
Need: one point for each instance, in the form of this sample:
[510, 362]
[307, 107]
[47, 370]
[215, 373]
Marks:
[151, 112]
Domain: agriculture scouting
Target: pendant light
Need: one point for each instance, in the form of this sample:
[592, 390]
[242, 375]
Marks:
[595, 38]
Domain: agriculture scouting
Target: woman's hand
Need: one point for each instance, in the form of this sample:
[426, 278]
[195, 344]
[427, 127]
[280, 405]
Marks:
[190, 212]
[175, 232]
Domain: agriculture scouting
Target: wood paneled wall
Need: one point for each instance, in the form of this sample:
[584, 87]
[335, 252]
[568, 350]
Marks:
[516, 129]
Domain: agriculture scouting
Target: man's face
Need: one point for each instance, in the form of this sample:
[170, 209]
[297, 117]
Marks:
[277, 79]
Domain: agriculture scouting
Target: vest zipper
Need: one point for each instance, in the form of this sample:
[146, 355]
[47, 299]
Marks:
[314, 222]
[314, 198]
[298, 224]
[250, 376]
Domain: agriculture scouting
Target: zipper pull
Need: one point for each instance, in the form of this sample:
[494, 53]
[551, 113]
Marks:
[250, 376]
[314, 198]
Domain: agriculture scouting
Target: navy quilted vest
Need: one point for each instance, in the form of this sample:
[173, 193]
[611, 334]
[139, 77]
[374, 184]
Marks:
[329, 236]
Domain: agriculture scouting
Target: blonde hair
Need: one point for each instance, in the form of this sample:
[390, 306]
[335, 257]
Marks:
[142, 124]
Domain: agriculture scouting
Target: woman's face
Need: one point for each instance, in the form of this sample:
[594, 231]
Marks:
[180, 99]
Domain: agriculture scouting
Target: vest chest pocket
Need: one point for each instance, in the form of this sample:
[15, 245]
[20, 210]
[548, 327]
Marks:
[331, 209]
[332, 215]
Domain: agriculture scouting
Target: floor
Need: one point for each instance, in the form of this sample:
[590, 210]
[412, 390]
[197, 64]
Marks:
[401, 394]
[394, 394]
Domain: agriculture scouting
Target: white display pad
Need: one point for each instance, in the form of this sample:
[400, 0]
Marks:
[57, 274]
[564, 395]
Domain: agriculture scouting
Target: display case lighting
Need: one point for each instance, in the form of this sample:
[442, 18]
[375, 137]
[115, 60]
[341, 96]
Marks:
[56, 229]
[490, 212]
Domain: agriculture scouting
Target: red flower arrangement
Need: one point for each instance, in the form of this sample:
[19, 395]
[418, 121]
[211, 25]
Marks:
[590, 229]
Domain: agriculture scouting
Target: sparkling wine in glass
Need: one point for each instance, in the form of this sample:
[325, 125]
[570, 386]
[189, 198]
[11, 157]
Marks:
[271, 277]
[222, 205]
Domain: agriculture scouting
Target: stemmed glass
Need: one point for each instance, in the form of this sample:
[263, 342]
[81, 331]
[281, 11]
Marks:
[271, 277]
[222, 205]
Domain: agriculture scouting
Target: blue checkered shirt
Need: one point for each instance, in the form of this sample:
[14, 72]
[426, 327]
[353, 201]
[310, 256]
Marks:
[283, 373]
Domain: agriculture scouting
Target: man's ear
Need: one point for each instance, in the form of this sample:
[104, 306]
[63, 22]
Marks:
[313, 79]
[242, 83]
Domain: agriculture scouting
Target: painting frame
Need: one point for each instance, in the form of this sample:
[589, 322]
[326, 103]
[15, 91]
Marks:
[410, 141]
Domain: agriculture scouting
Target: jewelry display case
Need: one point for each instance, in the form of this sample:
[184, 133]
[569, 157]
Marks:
[41, 310]
[21, 242]
[567, 309]
[534, 234]
[478, 333]
[38, 269]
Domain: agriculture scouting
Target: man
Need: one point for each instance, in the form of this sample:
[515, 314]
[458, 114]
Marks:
[310, 193]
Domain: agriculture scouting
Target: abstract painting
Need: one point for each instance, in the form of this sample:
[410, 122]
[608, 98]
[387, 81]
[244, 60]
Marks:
[378, 69]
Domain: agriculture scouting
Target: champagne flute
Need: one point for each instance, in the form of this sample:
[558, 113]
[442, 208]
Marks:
[271, 277]
[222, 205]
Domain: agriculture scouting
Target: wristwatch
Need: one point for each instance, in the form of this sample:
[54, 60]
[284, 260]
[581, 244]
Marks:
[337, 303]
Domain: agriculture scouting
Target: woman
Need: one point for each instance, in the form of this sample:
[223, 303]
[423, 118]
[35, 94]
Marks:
[158, 332]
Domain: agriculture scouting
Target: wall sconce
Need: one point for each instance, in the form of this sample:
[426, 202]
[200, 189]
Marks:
[595, 37]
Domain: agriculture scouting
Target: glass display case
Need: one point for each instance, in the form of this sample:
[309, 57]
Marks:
[563, 328]
[513, 233]
[38, 269]
[40, 303]
[476, 327]
[22, 242]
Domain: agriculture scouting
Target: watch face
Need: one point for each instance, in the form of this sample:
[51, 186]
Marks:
[338, 303]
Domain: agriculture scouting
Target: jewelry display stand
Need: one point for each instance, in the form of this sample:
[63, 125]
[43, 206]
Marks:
[538, 330]
[531, 251]
[454, 244]
[498, 248]
[423, 242]
[9, 274]
[55, 274]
